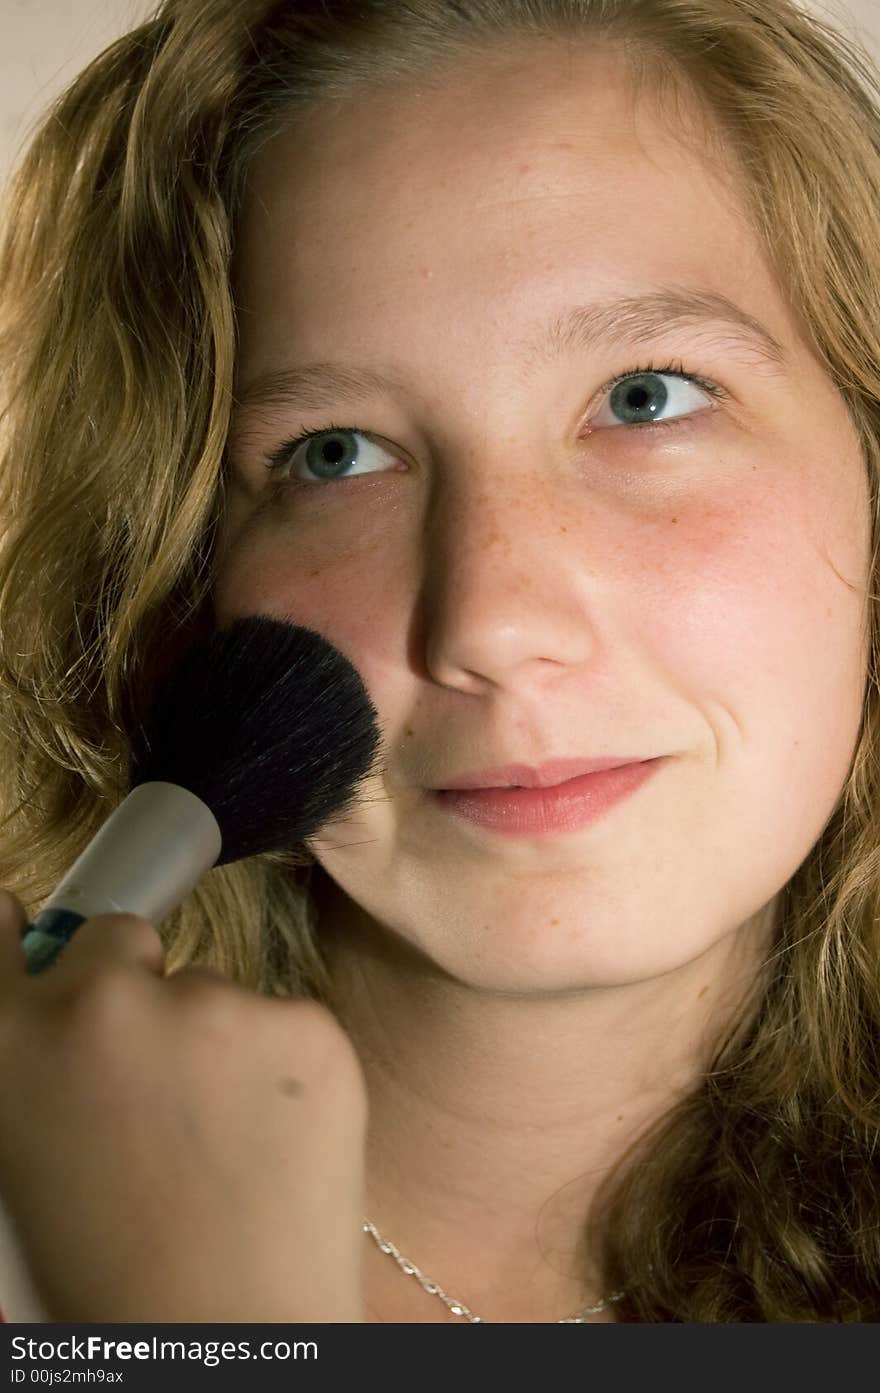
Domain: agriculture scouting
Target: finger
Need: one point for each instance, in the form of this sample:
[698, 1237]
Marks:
[13, 918]
[12, 911]
[106, 939]
[199, 975]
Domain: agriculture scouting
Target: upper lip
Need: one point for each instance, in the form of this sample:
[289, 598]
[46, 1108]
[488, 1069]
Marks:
[554, 771]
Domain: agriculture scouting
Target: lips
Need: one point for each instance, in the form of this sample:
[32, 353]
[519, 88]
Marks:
[547, 775]
[550, 810]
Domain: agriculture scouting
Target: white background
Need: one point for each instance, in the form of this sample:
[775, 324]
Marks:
[44, 43]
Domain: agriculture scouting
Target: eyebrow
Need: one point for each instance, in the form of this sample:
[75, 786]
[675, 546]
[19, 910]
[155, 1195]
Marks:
[613, 322]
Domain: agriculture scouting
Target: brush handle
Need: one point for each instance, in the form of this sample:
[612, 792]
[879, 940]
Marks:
[145, 859]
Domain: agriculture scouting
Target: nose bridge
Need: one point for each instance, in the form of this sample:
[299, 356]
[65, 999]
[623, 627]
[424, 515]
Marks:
[502, 580]
[494, 513]
[495, 524]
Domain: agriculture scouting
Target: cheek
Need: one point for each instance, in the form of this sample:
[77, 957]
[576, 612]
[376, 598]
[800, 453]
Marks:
[757, 613]
[347, 591]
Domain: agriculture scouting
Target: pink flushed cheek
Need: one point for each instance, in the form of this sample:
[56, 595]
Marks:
[741, 603]
[344, 593]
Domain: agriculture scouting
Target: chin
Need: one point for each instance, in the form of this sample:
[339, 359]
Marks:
[562, 954]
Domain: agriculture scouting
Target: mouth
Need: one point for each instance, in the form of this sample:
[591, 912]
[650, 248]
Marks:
[546, 775]
[540, 811]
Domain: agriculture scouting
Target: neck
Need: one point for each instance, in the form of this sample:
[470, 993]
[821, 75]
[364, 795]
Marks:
[494, 1118]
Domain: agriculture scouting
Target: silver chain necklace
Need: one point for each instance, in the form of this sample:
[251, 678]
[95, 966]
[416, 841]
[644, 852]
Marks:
[458, 1308]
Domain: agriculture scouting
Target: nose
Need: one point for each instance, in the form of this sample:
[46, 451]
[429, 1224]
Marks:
[507, 587]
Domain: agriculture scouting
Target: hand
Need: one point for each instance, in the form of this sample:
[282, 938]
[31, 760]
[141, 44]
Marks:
[175, 1148]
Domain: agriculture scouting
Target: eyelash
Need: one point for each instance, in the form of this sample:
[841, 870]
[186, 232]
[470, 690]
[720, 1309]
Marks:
[277, 458]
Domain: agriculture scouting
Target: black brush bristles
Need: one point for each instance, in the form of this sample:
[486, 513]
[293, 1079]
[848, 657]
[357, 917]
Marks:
[267, 723]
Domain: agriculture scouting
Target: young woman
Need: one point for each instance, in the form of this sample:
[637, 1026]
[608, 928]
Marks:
[531, 353]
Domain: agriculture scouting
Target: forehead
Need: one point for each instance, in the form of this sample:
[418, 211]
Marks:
[481, 202]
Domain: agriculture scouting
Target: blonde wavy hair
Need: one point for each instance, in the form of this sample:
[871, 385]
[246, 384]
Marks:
[758, 1197]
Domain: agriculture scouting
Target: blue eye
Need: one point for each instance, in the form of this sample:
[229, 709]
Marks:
[328, 454]
[639, 396]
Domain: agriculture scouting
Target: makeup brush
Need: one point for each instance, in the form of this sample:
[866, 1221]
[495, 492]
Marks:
[263, 732]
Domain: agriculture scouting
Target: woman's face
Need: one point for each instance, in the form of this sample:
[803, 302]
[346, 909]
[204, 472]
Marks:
[518, 568]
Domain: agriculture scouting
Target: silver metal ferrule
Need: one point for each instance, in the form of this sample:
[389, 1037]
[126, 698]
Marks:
[145, 859]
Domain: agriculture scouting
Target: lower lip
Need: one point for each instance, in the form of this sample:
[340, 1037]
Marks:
[536, 812]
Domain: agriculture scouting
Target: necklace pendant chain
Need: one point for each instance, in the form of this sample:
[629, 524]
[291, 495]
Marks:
[458, 1308]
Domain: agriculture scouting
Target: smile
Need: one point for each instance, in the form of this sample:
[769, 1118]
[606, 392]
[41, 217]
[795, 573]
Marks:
[541, 812]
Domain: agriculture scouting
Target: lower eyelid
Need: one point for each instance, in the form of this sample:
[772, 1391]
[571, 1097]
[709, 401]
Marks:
[685, 420]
